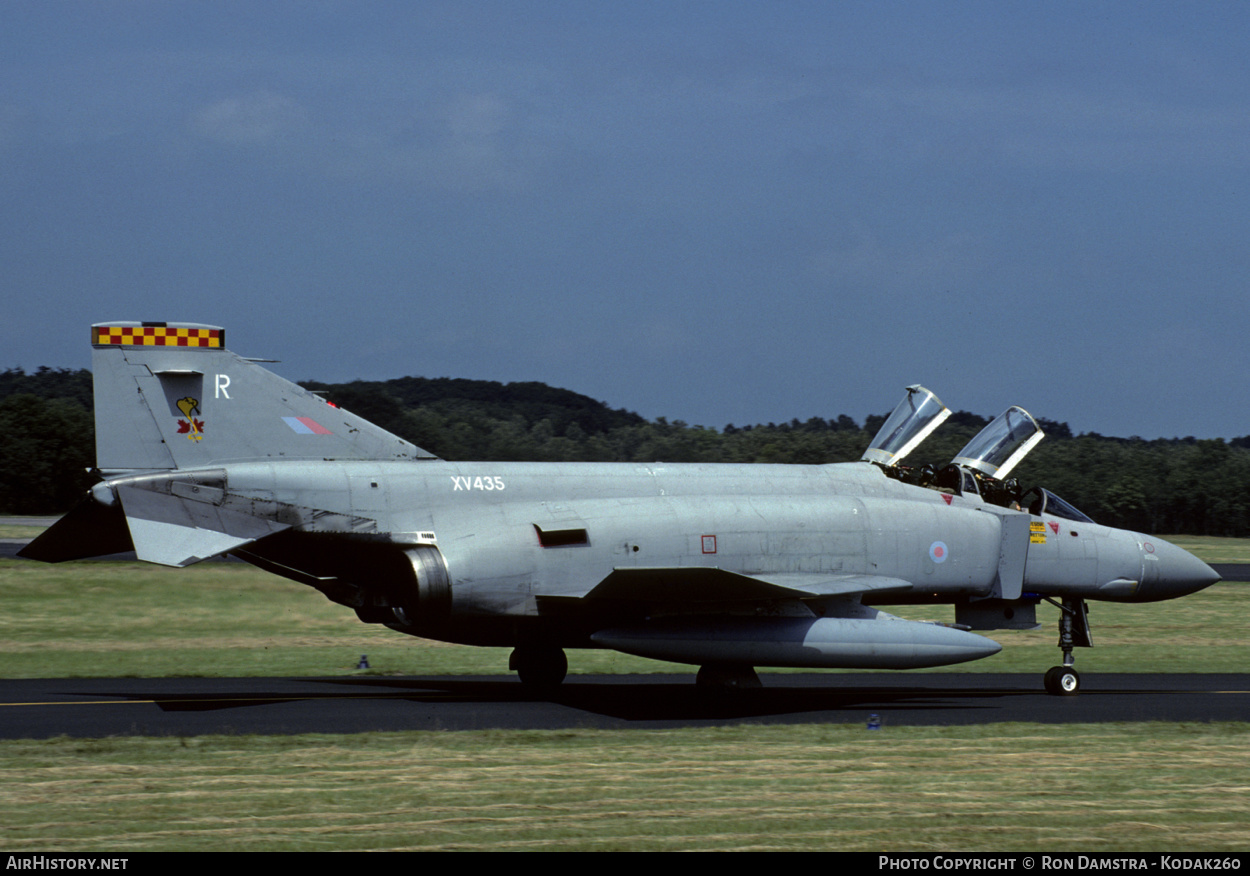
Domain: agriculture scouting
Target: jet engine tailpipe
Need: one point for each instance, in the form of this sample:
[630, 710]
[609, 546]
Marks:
[422, 597]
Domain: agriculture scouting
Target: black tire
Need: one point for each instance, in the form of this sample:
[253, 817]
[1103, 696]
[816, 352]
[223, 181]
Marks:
[1063, 681]
[720, 677]
[540, 667]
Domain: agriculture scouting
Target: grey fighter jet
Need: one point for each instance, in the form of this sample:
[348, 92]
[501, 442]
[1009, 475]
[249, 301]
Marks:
[726, 567]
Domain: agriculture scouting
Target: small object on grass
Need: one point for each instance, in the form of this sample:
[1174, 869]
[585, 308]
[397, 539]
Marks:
[364, 662]
[874, 722]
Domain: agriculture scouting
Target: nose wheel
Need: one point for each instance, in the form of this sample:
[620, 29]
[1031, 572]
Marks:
[1064, 681]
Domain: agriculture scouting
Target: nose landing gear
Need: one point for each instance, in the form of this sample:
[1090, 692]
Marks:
[1073, 633]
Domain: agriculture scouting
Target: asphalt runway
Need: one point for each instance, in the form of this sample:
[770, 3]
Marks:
[94, 708]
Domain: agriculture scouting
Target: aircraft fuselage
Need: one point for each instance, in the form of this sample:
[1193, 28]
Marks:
[511, 534]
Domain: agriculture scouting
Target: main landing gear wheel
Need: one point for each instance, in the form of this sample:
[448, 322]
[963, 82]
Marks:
[539, 667]
[721, 677]
[1062, 681]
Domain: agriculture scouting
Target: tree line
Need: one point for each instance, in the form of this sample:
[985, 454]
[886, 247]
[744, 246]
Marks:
[1178, 485]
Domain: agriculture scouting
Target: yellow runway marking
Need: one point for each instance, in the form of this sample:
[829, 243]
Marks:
[270, 699]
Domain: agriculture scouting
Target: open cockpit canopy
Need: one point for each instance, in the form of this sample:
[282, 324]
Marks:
[915, 418]
[1000, 446]
[980, 469]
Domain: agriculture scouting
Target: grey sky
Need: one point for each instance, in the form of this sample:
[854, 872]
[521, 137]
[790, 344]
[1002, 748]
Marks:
[715, 212]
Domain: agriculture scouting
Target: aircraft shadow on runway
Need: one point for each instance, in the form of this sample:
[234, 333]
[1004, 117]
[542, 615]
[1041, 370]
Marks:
[648, 701]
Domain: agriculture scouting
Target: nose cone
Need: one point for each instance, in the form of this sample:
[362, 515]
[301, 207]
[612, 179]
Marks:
[1169, 571]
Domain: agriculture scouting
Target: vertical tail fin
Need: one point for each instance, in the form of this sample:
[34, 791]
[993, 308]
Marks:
[171, 396]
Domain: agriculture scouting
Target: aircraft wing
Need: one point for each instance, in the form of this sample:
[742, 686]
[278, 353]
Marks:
[89, 530]
[686, 584]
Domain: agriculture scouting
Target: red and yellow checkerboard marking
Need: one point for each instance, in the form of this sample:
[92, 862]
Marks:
[157, 336]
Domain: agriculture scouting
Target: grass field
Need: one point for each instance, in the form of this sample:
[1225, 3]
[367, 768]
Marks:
[1213, 549]
[1093, 788]
[10, 530]
[1085, 788]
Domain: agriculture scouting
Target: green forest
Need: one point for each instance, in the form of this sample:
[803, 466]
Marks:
[1178, 485]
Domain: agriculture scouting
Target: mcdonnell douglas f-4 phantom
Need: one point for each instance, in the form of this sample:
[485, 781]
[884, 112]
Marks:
[727, 567]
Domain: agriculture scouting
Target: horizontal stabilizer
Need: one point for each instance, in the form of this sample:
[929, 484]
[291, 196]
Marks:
[175, 531]
[703, 584]
[89, 530]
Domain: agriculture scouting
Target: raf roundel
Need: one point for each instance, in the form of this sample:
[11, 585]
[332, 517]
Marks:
[938, 552]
